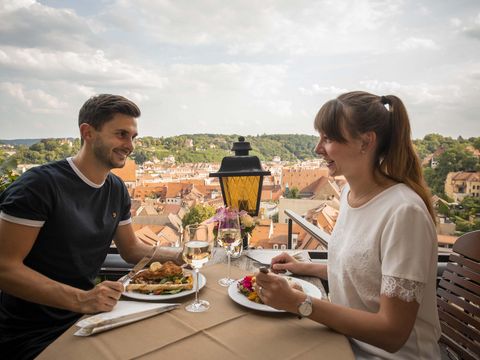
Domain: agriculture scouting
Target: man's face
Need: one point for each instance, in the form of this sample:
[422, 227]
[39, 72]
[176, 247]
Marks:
[114, 141]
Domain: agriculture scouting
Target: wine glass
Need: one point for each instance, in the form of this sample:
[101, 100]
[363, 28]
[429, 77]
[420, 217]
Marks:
[229, 237]
[197, 250]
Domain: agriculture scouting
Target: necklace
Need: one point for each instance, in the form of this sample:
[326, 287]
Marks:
[359, 200]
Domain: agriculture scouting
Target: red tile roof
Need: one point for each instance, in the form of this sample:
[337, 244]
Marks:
[127, 173]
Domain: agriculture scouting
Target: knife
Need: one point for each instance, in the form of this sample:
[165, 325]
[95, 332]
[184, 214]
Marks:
[139, 266]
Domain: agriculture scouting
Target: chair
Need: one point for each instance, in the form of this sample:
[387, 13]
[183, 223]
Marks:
[458, 299]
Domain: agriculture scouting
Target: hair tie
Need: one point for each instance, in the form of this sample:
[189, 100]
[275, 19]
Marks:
[384, 100]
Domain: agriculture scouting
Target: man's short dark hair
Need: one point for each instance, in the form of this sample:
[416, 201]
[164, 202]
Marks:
[101, 108]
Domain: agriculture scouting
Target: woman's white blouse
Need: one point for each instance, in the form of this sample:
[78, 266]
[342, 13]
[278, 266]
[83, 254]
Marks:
[387, 246]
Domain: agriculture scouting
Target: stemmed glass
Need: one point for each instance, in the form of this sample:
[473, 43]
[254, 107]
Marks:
[197, 250]
[229, 237]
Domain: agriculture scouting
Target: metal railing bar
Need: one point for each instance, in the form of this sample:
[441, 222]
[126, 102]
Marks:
[313, 230]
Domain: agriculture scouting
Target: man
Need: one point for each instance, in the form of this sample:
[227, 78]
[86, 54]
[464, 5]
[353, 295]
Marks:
[56, 224]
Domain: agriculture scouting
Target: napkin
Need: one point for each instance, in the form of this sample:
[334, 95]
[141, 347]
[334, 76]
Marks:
[265, 257]
[125, 312]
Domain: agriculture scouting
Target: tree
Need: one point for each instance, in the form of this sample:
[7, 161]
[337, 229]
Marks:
[455, 158]
[476, 143]
[6, 179]
[140, 157]
[471, 205]
[198, 214]
[292, 193]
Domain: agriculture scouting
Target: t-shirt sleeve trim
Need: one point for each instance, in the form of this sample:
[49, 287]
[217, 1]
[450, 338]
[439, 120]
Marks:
[20, 221]
[125, 222]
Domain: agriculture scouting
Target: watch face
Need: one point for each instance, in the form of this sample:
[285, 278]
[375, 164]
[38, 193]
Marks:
[305, 308]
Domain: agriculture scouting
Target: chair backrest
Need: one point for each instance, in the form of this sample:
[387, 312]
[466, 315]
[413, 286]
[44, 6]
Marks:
[458, 298]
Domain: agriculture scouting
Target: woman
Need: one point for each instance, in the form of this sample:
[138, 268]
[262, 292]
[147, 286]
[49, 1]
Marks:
[382, 260]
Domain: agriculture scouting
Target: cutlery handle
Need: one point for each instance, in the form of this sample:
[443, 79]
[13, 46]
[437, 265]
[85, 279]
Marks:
[264, 269]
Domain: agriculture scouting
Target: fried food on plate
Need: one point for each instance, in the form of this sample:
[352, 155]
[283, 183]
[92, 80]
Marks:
[159, 279]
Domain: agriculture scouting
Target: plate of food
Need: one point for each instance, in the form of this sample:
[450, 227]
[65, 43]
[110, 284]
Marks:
[162, 282]
[243, 292]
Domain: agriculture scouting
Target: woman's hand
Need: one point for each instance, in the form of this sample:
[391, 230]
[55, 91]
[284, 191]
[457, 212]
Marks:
[275, 291]
[284, 262]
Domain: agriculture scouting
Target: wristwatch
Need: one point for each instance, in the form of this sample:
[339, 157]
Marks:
[305, 308]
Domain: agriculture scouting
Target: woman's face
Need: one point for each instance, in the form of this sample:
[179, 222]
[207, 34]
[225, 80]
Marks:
[342, 158]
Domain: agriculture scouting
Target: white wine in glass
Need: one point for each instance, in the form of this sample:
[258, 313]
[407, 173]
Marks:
[197, 253]
[229, 236]
[197, 250]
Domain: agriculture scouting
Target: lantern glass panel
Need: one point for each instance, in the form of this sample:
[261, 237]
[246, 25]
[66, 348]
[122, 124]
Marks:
[241, 192]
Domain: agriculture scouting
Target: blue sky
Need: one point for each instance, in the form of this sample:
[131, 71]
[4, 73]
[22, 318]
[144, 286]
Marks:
[244, 67]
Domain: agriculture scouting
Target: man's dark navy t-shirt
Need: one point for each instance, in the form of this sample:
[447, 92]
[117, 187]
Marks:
[78, 220]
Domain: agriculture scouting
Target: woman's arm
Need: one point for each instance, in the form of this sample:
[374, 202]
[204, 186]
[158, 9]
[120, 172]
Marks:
[389, 328]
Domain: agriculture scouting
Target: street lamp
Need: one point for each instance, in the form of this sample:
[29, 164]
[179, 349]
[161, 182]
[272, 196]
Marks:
[241, 178]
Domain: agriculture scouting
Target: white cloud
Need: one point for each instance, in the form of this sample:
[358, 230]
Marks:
[414, 43]
[315, 89]
[456, 22]
[419, 93]
[37, 100]
[259, 81]
[91, 68]
[31, 24]
[252, 27]
[11, 5]
[472, 28]
[238, 66]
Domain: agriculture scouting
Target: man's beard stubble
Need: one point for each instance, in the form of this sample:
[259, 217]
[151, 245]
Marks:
[104, 155]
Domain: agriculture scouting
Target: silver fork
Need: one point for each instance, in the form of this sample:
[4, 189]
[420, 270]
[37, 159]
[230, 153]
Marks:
[139, 266]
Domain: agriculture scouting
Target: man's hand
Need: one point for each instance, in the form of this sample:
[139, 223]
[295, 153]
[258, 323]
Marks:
[170, 254]
[102, 297]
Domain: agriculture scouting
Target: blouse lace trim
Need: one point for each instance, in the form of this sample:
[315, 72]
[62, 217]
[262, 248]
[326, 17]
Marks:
[404, 289]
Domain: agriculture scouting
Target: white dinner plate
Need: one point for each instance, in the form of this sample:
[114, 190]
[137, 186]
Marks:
[140, 296]
[241, 299]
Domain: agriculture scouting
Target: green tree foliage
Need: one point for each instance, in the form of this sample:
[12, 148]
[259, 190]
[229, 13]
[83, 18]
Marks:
[198, 214]
[456, 158]
[45, 151]
[292, 193]
[140, 156]
[471, 205]
[6, 179]
[213, 147]
[475, 142]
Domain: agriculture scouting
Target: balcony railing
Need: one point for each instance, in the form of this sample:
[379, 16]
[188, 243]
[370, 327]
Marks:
[316, 232]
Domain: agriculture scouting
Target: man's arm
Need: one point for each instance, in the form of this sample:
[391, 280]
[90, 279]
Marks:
[132, 250]
[21, 281]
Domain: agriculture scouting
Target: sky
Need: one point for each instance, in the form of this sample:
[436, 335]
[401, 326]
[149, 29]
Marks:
[236, 67]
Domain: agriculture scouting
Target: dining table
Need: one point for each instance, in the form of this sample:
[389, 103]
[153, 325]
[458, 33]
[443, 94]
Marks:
[227, 330]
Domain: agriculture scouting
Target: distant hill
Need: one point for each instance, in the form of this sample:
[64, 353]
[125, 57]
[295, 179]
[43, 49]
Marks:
[26, 142]
[185, 148]
[213, 147]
